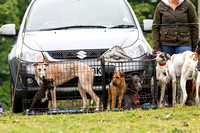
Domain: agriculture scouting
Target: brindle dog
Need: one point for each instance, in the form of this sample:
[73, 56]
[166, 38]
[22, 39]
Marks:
[65, 71]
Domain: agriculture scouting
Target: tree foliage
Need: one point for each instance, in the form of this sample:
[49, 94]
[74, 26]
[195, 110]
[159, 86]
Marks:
[11, 11]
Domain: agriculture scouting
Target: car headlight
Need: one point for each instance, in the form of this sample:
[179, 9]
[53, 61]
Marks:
[136, 50]
[29, 54]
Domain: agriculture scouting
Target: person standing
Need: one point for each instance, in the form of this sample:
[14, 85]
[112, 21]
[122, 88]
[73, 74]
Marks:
[197, 53]
[175, 30]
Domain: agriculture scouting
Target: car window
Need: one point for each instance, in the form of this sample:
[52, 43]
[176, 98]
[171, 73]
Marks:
[45, 14]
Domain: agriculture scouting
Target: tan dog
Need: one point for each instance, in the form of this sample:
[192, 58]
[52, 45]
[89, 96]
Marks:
[117, 89]
[63, 72]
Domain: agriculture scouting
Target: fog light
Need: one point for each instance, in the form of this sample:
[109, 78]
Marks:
[29, 81]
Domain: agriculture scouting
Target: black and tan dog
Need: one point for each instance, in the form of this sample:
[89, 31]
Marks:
[131, 97]
[117, 89]
[40, 100]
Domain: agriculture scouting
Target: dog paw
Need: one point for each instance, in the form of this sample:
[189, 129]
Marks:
[92, 101]
[197, 101]
[189, 102]
[97, 109]
[81, 110]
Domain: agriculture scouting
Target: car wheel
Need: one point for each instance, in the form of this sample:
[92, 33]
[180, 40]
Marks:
[17, 104]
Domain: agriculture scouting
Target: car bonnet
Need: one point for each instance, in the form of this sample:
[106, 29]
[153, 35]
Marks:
[80, 39]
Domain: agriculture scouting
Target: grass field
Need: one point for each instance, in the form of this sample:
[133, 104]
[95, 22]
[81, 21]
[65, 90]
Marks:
[176, 120]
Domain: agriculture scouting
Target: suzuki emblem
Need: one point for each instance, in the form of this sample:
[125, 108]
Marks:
[81, 54]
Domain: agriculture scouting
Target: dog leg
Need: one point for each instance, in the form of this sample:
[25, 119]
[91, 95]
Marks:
[152, 90]
[33, 105]
[87, 86]
[121, 97]
[84, 96]
[94, 96]
[197, 88]
[120, 101]
[183, 88]
[174, 83]
[161, 103]
[113, 102]
[53, 96]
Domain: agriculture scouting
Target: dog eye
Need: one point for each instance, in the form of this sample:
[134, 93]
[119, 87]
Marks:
[39, 69]
[44, 69]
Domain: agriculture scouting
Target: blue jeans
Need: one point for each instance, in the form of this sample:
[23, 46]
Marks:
[175, 49]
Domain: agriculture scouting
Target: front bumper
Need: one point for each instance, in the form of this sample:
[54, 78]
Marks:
[27, 72]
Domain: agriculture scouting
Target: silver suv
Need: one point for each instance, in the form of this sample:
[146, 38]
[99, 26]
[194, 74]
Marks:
[63, 30]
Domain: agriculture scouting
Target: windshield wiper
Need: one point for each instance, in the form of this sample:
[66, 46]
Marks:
[74, 26]
[122, 26]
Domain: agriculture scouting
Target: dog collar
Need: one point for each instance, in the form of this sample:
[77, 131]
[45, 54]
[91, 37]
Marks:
[131, 90]
[162, 64]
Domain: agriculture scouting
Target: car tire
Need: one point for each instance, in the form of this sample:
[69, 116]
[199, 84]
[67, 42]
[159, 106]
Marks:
[17, 103]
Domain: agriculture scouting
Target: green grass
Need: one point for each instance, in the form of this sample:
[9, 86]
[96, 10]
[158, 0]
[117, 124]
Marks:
[180, 120]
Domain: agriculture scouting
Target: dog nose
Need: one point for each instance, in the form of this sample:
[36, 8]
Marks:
[43, 76]
[140, 88]
[114, 84]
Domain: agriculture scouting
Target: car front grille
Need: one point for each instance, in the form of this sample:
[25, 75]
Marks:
[73, 54]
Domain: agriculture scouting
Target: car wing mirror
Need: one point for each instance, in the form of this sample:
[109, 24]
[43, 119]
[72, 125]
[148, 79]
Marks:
[147, 25]
[8, 30]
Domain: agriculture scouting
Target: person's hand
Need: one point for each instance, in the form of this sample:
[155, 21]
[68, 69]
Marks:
[196, 57]
[155, 54]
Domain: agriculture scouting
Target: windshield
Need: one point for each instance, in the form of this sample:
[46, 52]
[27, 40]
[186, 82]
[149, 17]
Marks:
[55, 14]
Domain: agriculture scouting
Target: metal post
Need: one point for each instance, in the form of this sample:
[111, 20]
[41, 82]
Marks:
[103, 84]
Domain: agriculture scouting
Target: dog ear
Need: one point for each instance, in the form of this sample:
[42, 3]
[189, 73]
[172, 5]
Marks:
[52, 79]
[122, 74]
[129, 76]
[46, 64]
[167, 56]
[35, 64]
[114, 73]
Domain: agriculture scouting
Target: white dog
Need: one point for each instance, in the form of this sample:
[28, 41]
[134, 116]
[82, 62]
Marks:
[162, 74]
[180, 65]
[189, 72]
[197, 88]
[175, 70]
